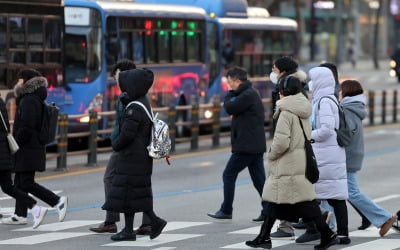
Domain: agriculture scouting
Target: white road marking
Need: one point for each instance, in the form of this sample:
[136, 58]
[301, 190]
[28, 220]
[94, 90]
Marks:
[275, 243]
[42, 238]
[175, 225]
[369, 232]
[146, 242]
[58, 226]
[381, 244]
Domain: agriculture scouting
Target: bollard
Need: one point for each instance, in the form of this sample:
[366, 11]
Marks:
[216, 123]
[172, 126]
[92, 141]
[62, 144]
[194, 144]
[371, 105]
[395, 106]
[383, 107]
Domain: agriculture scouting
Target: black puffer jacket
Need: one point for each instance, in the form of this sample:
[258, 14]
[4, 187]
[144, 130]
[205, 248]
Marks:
[247, 110]
[31, 155]
[131, 188]
[5, 154]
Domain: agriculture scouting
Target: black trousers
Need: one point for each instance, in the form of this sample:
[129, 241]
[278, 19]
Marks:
[8, 188]
[342, 220]
[25, 181]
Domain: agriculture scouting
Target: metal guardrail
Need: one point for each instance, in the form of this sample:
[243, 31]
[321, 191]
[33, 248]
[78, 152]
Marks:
[379, 106]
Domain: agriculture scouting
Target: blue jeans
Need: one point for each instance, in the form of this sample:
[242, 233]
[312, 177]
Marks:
[238, 162]
[374, 213]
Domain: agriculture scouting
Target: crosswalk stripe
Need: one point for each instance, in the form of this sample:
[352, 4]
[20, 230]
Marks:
[275, 243]
[369, 233]
[164, 248]
[58, 226]
[386, 244]
[42, 238]
[146, 242]
[175, 225]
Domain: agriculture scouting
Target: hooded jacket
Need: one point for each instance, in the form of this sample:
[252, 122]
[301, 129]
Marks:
[331, 158]
[355, 151]
[31, 155]
[247, 130]
[131, 187]
[286, 183]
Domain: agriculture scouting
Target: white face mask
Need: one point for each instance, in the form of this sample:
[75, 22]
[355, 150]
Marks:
[273, 77]
[310, 83]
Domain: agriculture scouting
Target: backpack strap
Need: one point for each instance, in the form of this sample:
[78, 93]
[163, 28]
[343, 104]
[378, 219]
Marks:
[151, 116]
[335, 101]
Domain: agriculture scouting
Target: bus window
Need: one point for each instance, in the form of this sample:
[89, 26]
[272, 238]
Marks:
[138, 42]
[150, 45]
[3, 41]
[163, 46]
[178, 46]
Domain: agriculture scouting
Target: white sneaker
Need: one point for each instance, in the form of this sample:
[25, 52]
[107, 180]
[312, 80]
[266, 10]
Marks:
[14, 220]
[62, 208]
[38, 213]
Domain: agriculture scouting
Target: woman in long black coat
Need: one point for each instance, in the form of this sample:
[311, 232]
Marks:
[31, 91]
[131, 190]
[6, 182]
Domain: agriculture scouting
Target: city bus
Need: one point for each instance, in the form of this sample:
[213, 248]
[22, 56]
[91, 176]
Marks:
[256, 37]
[170, 40]
[31, 35]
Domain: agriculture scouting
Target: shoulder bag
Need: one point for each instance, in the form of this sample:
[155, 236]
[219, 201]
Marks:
[312, 172]
[12, 144]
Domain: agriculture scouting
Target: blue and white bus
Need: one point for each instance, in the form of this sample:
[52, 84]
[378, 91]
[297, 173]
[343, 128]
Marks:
[170, 40]
[257, 39]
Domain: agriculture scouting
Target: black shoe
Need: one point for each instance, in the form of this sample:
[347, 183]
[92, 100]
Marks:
[219, 215]
[396, 225]
[123, 235]
[102, 228]
[259, 219]
[282, 235]
[308, 236]
[364, 225]
[299, 225]
[258, 242]
[325, 245]
[157, 227]
[343, 240]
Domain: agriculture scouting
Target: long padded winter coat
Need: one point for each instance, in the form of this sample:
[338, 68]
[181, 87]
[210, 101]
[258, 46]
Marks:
[331, 158]
[131, 186]
[286, 182]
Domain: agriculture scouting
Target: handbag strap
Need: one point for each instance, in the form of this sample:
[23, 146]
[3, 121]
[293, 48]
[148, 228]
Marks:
[4, 122]
[302, 128]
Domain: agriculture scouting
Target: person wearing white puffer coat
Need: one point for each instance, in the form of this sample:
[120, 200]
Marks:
[331, 158]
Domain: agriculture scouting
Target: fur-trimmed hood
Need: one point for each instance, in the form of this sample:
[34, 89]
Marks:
[32, 86]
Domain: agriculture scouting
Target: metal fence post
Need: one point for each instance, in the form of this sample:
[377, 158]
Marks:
[92, 141]
[395, 106]
[371, 105]
[384, 107]
[172, 126]
[194, 144]
[216, 123]
[62, 145]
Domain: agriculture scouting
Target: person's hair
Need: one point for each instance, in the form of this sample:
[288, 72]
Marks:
[237, 73]
[351, 88]
[27, 74]
[333, 68]
[286, 64]
[122, 65]
[290, 85]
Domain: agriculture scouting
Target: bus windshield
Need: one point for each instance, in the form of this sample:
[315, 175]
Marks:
[83, 47]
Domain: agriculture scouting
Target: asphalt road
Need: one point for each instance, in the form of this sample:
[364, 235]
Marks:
[185, 191]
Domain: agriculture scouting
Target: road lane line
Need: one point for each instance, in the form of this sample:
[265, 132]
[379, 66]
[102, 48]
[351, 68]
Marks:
[42, 238]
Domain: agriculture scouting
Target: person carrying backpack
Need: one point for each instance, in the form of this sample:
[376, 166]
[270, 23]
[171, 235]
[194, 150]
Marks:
[331, 158]
[353, 99]
[31, 91]
[131, 190]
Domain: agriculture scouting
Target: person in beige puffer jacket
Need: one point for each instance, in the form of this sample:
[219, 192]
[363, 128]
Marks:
[289, 193]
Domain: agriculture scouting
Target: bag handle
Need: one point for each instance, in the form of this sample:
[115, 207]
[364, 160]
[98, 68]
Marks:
[4, 123]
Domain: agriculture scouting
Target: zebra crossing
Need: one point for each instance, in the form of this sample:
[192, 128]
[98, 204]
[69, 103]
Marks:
[75, 229]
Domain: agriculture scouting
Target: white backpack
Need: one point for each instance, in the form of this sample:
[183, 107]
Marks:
[160, 143]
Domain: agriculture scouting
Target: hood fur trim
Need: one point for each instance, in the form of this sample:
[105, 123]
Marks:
[30, 86]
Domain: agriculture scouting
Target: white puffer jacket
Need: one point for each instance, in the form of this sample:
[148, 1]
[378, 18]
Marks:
[331, 158]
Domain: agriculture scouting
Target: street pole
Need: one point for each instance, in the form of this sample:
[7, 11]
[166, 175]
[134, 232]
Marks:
[313, 30]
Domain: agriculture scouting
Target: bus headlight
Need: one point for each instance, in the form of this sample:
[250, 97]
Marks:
[208, 114]
[392, 63]
[392, 73]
